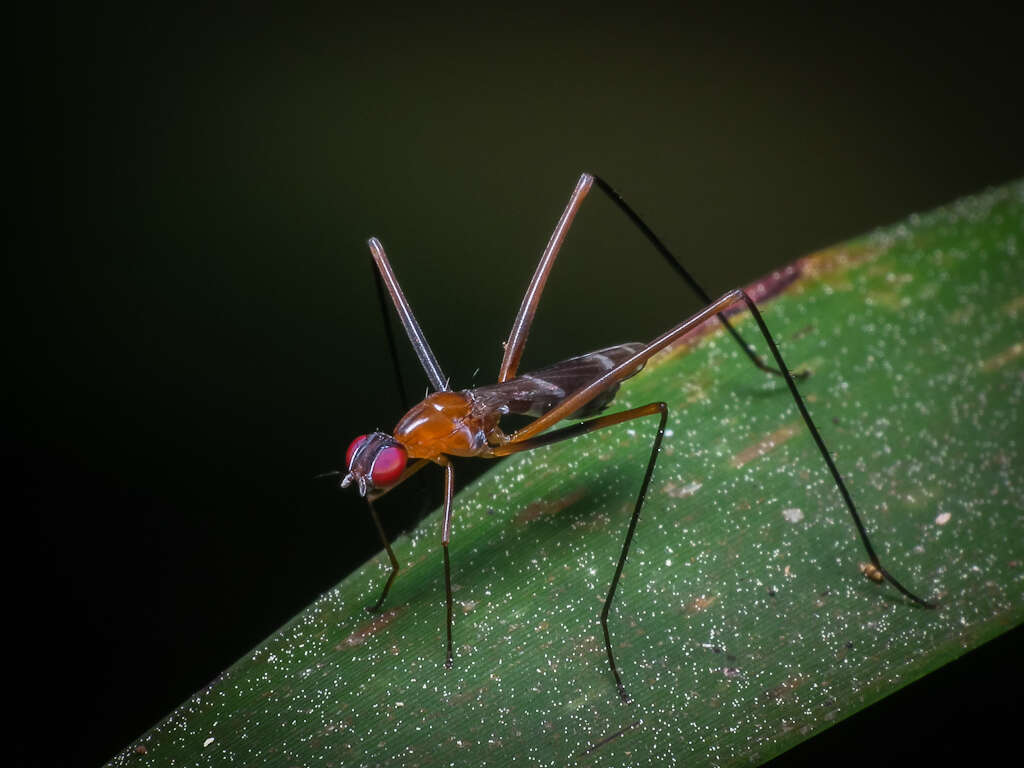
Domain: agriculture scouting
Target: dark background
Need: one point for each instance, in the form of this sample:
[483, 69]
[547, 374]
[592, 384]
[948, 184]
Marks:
[195, 333]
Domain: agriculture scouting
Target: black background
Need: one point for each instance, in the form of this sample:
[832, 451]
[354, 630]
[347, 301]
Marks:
[194, 330]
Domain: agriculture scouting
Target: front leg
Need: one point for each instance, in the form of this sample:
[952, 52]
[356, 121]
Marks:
[446, 534]
[391, 555]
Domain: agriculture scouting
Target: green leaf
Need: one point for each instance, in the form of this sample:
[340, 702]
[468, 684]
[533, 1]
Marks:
[742, 623]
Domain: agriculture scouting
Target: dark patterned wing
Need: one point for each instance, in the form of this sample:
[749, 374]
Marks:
[537, 392]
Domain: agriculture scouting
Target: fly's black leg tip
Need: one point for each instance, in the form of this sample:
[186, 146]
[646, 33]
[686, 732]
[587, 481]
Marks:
[879, 575]
[626, 698]
[920, 602]
[931, 604]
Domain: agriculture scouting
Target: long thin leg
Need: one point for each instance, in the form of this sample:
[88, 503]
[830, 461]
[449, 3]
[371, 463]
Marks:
[528, 309]
[389, 334]
[403, 397]
[591, 426]
[412, 328]
[446, 535]
[524, 318]
[391, 556]
[584, 395]
[372, 497]
[823, 450]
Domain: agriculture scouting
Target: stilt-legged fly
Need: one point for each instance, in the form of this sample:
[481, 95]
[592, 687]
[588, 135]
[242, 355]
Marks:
[451, 423]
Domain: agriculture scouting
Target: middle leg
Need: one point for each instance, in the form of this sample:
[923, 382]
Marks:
[446, 535]
[583, 428]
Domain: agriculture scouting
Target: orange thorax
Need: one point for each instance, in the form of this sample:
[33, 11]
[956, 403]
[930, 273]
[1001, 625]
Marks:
[447, 423]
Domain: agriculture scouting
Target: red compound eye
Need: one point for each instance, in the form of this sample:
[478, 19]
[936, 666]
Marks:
[352, 448]
[389, 466]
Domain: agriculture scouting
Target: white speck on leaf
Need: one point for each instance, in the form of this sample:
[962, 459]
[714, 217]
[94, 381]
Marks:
[793, 515]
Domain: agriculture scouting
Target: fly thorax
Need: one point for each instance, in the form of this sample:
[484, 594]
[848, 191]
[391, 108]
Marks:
[444, 423]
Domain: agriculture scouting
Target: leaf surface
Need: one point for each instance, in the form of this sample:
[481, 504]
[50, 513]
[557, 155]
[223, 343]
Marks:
[742, 623]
